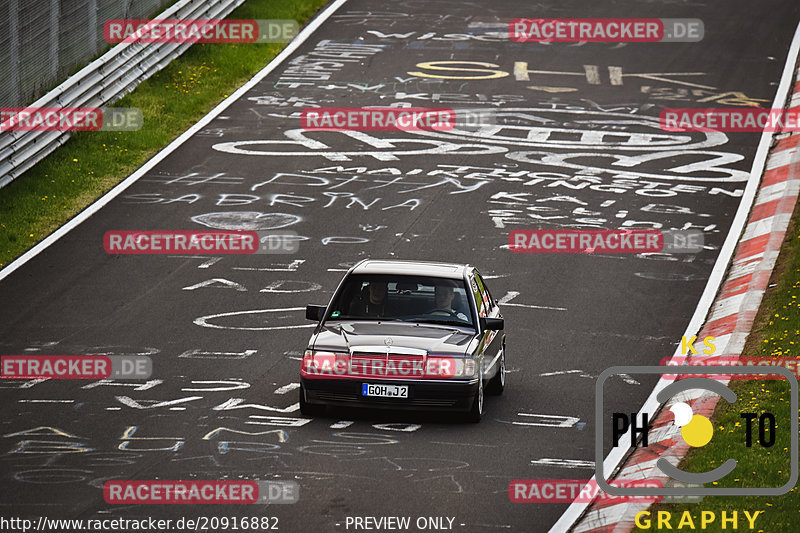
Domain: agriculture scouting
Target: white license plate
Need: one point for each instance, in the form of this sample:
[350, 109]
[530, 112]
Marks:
[384, 391]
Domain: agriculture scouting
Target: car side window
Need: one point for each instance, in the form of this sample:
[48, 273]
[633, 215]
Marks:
[486, 298]
[480, 296]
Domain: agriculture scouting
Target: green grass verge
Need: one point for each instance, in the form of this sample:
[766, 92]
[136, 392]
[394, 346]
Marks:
[91, 163]
[776, 333]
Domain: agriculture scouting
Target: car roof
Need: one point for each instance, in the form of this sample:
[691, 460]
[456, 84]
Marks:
[414, 268]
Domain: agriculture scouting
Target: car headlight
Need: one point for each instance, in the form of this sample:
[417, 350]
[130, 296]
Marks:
[465, 367]
[321, 362]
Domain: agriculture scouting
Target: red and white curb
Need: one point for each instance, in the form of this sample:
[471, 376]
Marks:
[730, 321]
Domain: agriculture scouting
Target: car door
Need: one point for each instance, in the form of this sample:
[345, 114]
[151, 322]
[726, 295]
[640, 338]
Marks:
[491, 341]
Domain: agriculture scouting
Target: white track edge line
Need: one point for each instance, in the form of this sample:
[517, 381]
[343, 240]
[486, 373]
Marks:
[615, 457]
[301, 37]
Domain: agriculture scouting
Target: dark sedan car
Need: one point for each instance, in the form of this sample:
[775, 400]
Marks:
[405, 335]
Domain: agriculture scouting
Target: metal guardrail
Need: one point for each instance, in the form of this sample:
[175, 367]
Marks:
[103, 81]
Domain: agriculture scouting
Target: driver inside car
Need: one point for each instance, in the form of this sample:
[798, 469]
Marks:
[443, 298]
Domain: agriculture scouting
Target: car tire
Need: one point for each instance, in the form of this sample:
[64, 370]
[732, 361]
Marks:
[498, 382]
[476, 412]
[309, 409]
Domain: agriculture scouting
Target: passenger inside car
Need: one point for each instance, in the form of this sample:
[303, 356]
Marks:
[371, 301]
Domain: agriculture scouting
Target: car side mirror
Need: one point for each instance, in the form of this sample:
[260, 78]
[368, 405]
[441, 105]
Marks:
[315, 312]
[492, 323]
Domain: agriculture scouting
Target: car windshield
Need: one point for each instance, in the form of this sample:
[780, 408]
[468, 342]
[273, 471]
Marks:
[401, 297]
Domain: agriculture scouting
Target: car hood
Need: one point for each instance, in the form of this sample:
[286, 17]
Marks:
[373, 337]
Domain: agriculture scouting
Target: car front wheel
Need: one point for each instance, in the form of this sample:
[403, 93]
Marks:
[498, 382]
[476, 413]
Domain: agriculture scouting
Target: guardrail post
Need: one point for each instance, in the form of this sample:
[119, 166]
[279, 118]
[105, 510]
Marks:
[91, 5]
[13, 39]
[54, 24]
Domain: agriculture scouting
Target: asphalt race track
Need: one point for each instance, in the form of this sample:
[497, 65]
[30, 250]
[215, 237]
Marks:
[582, 148]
